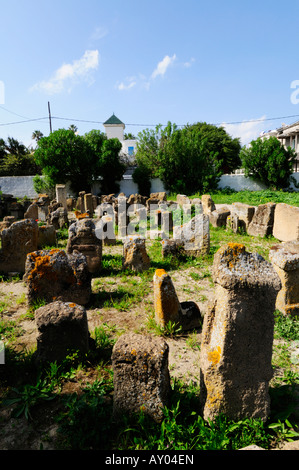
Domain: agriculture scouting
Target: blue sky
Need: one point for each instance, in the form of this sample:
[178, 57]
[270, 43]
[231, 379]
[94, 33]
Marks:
[149, 62]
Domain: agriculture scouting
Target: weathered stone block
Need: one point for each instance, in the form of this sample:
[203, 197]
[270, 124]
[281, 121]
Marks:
[88, 204]
[32, 212]
[46, 236]
[286, 222]
[262, 221]
[208, 204]
[55, 275]
[61, 195]
[167, 306]
[58, 218]
[218, 217]
[237, 336]
[17, 241]
[141, 375]
[244, 213]
[166, 302]
[62, 328]
[83, 239]
[285, 259]
[194, 236]
[182, 199]
[135, 256]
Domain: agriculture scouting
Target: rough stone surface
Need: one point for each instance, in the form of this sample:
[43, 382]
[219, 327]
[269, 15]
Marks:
[55, 275]
[262, 221]
[141, 375]
[194, 236]
[46, 236]
[208, 205]
[171, 247]
[7, 222]
[135, 256]
[88, 204]
[167, 306]
[285, 259]
[286, 223]
[58, 218]
[62, 328]
[237, 336]
[32, 212]
[61, 195]
[83, 239]
[218, 217]
[17, 241]
[166, 303]
[182, 199]
[244, 214]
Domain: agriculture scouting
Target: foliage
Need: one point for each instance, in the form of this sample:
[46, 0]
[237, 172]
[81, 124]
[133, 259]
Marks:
[16, 159]
[186, 160]
[28, 396]
[218, 140]
[43, 185]
[141, 176]
[287, 327]
[18, 165]
[111, 168]
[65, 156]
[269, 161]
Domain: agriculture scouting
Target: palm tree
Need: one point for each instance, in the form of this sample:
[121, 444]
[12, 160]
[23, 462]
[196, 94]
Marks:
[73, 128]
[37, 135]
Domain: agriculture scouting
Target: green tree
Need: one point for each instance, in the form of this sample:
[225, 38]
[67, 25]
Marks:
[109, 165]
[111, 169]
[183, 158]
[14, 147]
[218, 140]
[65, 156]
[269, 161]
[18, 165]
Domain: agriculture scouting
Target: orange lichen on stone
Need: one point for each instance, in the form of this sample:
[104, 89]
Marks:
[214, 356]
[160, 272]
[233, 252]
[79, 215]
[42, 267]
[72, 305]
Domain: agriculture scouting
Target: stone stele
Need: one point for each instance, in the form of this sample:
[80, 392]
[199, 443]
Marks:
[237, 336]
[285, 259]
[141, 375]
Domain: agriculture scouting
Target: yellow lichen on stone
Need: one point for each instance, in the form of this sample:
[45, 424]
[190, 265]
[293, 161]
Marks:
[214, 356]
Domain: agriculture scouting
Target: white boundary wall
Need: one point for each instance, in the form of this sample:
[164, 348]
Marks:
[20, 186]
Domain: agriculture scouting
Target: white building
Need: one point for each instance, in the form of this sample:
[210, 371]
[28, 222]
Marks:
[114, 128]
[289, 136]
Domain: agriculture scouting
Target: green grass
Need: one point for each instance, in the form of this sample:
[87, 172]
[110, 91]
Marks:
[228, 196]
[85, 417]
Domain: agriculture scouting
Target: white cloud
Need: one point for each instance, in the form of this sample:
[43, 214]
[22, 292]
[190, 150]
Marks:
[247, 130]
[127, 86]
[163, 66]
[189, 62]
[144, 81]
[69, 74]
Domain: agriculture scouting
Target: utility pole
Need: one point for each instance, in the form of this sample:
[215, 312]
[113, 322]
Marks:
[50, 117]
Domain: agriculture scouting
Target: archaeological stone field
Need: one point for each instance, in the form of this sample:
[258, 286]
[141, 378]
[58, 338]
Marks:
[229, 310]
